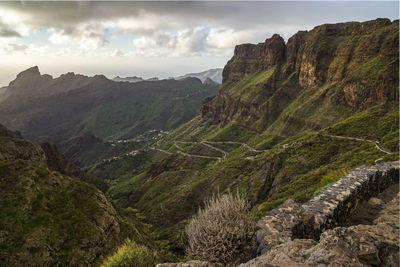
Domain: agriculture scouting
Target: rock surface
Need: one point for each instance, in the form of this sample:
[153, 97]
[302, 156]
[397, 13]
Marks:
[327, 210]
[193, 263]
[360, 245]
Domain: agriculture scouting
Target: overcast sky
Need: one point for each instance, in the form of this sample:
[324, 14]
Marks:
[154, 38]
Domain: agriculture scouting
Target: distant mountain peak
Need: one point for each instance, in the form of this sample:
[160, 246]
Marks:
[31, 72]
[213, 74]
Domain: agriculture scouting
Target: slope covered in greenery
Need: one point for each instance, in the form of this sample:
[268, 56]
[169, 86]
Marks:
[48, 218]
[292, 118]
[72, 107]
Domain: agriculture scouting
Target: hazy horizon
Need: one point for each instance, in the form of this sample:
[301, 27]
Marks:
[149, 39]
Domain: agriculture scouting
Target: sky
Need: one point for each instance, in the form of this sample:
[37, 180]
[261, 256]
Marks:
[151, 39]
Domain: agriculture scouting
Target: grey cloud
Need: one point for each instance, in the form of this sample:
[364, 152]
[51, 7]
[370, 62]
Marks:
[238, 15]
[16, 47]
[83, 19]
[5, 31]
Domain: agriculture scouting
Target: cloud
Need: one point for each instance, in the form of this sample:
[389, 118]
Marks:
[180, 28]
[87, 36]
[145, 35]
[13, 48]
[6, 31]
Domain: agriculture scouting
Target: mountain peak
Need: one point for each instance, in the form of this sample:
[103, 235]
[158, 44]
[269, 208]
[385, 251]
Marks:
[31, 72]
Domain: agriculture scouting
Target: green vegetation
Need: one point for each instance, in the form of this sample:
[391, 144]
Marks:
[297, 132]
[132, 254]
[295, 125]
[366, 125]
[248, 87]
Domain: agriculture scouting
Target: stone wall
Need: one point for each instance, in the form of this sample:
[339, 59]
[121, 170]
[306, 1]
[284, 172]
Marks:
[326, 210]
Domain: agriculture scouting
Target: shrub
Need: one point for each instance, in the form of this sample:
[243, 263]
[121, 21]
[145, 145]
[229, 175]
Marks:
[223, 231]
[131, 254]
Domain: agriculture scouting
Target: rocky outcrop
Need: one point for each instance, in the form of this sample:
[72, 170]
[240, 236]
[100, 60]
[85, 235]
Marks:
[360, 245]
[56, 161]
[12, 146]
[193, 263]
[249, 58]
[325, 211]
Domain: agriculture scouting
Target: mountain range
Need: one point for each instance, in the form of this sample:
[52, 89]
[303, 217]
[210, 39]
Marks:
[212, 74]
[289, 119]
[73, 105]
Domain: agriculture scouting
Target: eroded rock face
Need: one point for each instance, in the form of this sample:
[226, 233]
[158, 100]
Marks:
[250, 58]
[358, 60]
[360, 245]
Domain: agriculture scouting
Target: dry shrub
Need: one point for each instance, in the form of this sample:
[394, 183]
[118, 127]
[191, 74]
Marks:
[223, 231]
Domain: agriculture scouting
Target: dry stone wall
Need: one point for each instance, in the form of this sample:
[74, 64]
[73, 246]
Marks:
[325, 211]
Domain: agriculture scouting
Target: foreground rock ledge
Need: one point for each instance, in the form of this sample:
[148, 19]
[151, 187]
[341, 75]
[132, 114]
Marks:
[360, 245]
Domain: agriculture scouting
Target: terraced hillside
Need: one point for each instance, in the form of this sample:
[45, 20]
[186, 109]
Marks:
[289, 119]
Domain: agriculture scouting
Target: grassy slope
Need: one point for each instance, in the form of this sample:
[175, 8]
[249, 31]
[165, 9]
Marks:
[311, 161]
[135, 114]
[302, 155]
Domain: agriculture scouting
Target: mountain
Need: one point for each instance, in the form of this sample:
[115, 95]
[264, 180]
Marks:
[48, 216]
[289, 119]
[133, 79]
[213, 74]
[55, 110]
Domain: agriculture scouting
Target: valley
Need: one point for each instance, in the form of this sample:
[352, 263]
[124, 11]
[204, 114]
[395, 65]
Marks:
[291, 120]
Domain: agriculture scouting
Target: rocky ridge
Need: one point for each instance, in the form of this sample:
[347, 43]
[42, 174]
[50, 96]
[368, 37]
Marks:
[340, 57]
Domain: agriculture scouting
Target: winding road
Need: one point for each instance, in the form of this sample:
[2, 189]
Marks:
[209, 144]
[377, 144]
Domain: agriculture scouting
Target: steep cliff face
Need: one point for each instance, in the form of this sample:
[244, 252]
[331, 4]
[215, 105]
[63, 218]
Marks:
[249, 58]
[356, 64]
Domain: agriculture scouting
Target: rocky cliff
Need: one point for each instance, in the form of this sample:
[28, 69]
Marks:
[355, 64]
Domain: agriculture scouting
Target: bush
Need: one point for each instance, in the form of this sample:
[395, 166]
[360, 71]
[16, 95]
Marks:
[131, 254]
[223, 231]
